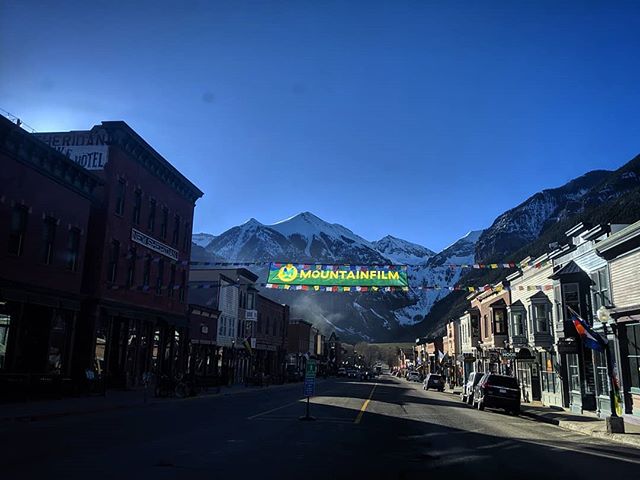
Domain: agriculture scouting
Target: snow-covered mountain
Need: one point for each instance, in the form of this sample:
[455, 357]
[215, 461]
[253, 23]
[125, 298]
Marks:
[202, 239]
[401, 251]
[307, 238]
[436, 271]
[301, 238]
[523, 224]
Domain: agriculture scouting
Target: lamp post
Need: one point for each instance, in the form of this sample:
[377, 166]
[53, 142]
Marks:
[615, 424]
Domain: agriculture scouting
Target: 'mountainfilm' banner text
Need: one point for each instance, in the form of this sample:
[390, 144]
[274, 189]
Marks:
[338, 275]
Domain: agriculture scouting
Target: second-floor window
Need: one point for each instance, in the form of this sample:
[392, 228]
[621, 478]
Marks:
[186, 239]
[163, 222]
[137, 206]
[120, 192]
[540, 317]
[500, 321]
[600, 289]
[517, 317]
[183, 286]
[175, 239]
[18, 229]
[131, 267]
[146, 272]
[73, 248]
[114, 255]
[172, 280]
[151, 220]
[49, 240]
[160, 276]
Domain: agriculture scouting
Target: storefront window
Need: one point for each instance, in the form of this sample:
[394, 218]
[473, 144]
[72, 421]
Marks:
[602, 377]
[101, 344]
[548, 373]
[633, 347]
[57, 345]
[5, 324]
[574, 372]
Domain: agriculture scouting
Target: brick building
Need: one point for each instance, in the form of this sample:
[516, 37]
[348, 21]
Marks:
[270, 338]
[45, 206]
[138, 249]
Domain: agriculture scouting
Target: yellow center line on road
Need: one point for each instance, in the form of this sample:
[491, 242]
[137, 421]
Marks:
[365, 405]
[286, 405]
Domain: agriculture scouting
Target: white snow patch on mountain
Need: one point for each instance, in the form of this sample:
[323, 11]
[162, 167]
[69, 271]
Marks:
[202, 239]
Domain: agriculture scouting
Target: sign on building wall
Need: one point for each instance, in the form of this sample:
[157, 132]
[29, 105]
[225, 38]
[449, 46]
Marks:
[338, 275]
[88, 149]
[251, 315]
[153, 244]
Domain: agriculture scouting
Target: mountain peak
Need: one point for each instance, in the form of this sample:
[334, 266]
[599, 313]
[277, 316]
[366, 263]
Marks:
[251, 223]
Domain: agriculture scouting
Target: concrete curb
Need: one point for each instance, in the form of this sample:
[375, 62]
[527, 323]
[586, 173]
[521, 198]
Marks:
[539, 418]
[624, 438]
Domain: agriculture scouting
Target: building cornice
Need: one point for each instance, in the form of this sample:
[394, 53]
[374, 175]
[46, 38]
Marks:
[122, 135]
[621, 242]
[28, 150]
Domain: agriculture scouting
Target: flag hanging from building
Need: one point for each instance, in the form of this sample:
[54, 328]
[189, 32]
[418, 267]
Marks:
[590, 338]
[341, 276]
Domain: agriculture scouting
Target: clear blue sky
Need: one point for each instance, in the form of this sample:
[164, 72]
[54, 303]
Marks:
[419, 119]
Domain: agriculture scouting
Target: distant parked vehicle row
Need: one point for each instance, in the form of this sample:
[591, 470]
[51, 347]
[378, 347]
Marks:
[433, 381]
[490, 390]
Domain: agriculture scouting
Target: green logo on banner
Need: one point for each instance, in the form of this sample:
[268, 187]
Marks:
[338, 275]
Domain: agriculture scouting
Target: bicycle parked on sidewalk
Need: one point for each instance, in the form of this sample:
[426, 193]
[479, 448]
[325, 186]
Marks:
[178, 386]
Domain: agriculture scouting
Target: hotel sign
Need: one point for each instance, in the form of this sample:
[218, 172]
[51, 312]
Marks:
[88, 149]
[153, 244]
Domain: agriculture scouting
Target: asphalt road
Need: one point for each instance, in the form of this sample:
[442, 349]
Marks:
[387, 428]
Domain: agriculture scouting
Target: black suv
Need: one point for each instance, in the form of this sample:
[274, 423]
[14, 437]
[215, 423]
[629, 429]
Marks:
[497, 391]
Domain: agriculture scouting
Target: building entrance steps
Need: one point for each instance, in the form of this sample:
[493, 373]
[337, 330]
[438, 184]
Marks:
[587, 423]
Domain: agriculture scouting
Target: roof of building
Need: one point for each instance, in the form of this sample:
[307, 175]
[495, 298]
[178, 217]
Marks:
[30, 151]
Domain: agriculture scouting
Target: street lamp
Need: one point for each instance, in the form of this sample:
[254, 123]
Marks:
[615, 424]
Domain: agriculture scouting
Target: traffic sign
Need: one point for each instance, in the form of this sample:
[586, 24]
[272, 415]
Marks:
[311, 369]
[309, 387]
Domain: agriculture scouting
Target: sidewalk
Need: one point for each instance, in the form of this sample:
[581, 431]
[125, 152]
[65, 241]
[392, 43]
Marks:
[587, 423]
[113, 400]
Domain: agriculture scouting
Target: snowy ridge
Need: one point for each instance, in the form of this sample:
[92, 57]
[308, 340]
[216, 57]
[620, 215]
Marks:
[307, 238]
[401, 251]
[202, 239]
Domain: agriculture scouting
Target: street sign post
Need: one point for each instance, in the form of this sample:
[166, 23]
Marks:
[309, 385]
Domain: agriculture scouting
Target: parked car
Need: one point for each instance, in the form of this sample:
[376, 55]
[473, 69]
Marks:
[342, 372]
[497, 391]
[413, 376]
[434, 381]
[352, 373]
[294, 374]
[467, 389]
